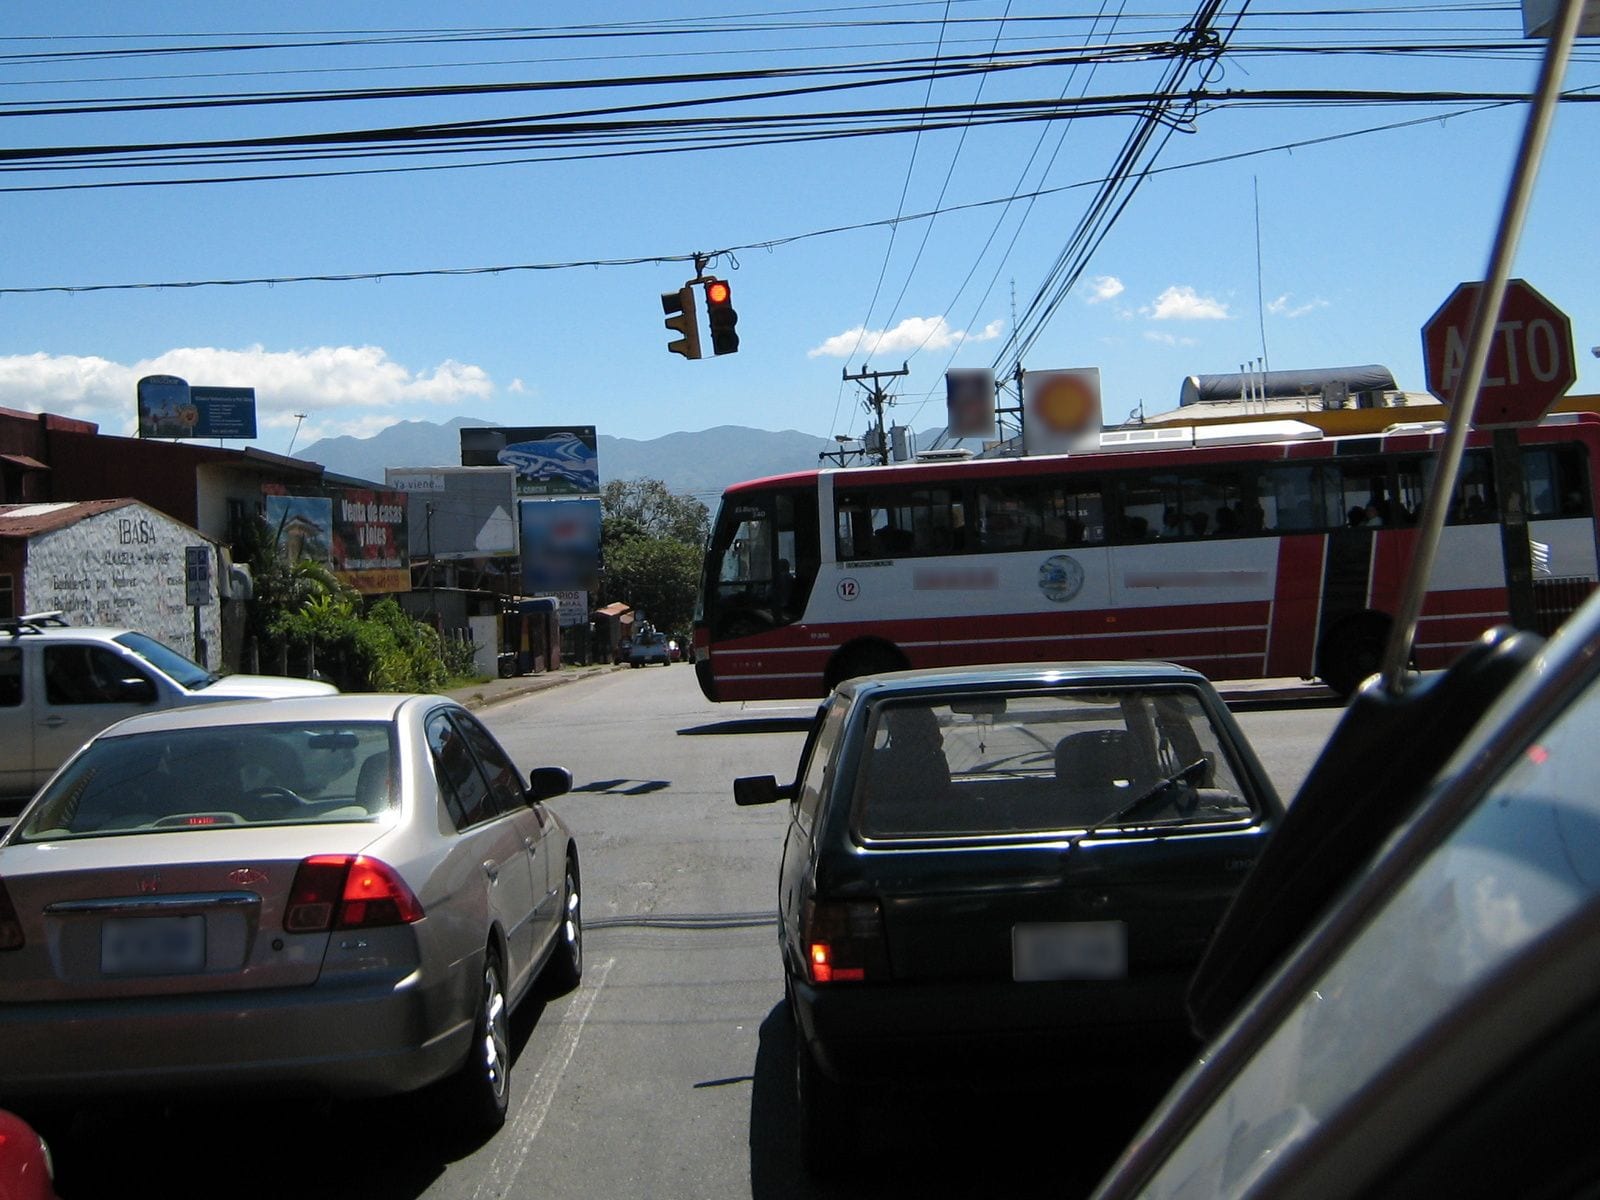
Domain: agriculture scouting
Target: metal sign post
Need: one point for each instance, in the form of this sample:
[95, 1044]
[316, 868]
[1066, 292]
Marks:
[197, 592]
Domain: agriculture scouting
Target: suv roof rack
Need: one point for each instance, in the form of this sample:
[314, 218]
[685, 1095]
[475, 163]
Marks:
[32, 622]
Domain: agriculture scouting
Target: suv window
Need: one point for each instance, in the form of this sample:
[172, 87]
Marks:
[10, 676]
[83, 674]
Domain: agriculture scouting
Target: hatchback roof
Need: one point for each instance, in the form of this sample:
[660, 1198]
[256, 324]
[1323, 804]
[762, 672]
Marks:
[1012, 674]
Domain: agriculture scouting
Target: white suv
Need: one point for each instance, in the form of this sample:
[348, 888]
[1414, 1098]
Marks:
[59, 686]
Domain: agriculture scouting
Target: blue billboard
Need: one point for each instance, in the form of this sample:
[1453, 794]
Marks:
[550, 460]
[560, 544]
[170, 408]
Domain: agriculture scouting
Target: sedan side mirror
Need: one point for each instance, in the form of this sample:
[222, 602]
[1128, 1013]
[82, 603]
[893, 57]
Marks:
[760, 789]
[545, 782]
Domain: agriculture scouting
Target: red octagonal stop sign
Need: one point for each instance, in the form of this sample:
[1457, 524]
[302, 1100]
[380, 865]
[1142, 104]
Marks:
[1531, 363]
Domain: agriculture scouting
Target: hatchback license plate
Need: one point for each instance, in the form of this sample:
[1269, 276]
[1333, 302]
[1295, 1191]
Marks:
[153, 945]
[1069, 950]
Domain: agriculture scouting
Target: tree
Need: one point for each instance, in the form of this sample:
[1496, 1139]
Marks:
[659, 576]
[645, 507]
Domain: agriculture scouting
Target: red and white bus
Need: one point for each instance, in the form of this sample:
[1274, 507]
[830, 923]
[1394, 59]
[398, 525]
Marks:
[1263, 549]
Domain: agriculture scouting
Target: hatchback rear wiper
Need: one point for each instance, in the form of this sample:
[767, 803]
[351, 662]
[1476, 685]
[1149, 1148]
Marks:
[1190, 774]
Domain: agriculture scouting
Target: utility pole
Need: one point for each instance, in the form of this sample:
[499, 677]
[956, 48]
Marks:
[876, 399]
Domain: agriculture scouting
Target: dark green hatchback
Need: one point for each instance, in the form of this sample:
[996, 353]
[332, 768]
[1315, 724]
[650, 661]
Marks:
[995, 874]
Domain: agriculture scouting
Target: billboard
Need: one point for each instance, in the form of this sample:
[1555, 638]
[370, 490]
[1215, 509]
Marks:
[550, 460]
[170, 408]
[560, 544]
[969, 403]
[359, 532]
[1061, 410]
[369, 539]
[301, 526]
[458, 512]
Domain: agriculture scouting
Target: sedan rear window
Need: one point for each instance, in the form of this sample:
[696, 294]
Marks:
[187, 779]
[1045, 763]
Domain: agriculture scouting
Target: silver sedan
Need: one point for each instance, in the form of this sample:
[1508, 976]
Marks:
[343, 894]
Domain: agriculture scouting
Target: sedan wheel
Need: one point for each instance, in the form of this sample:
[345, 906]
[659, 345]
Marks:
[483, 1085]
[565, 969]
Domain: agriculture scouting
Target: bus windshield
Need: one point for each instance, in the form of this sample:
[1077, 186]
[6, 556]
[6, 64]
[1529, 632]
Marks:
[762, 561]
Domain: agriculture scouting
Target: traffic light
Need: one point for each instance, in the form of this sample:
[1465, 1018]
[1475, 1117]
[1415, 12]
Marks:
[686, 322]
[721, 317]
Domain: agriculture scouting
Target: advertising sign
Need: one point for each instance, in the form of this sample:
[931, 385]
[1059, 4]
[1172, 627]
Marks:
[170, 408]
[969, 403]
[550, 460]
[301, 526]
[458, 512]
[574, 607]
[560, 544]
[1060, 410]
[369, 539]
[359, 532]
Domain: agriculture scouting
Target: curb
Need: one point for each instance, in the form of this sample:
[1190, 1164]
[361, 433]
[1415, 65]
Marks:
[499, 691]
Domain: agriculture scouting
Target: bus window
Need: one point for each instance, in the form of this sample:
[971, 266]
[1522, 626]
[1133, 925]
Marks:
[1029, 514]
[1553, 477]
[898, 522]
[1474, 499]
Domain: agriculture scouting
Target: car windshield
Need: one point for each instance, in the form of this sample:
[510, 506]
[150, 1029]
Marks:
[168, 661]
[1044, 763]
[209, 777]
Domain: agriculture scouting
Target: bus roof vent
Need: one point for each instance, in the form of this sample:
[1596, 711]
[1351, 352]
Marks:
[1147, 437]
[948, 454]
[1244, 433]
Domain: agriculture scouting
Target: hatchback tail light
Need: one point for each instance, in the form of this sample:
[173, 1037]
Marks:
[348, 891]
[844, 941]
[10, 923]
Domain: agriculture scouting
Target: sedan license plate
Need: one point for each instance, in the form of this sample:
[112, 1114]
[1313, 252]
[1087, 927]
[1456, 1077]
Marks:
[1069, 950]
[153, 945]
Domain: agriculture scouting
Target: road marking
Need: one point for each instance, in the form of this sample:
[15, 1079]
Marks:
[516, 1138]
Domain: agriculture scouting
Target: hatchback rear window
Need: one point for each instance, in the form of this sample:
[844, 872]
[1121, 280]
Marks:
[1044, 763]
[187, 779]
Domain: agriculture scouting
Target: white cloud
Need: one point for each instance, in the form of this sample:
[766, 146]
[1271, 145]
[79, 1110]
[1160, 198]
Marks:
[1106, 287]
[1183, 303]
[342, 389]
[1284, 306]
[1168, 339]
[516, 387]
[914, 333]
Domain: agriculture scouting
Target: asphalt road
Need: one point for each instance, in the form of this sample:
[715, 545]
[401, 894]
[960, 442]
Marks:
[668, 1073]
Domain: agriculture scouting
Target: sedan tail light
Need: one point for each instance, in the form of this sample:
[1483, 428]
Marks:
[348, 891]
[844, 941]
[10, 923]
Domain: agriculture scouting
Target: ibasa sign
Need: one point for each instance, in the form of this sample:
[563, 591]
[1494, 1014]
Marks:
[1530, 366]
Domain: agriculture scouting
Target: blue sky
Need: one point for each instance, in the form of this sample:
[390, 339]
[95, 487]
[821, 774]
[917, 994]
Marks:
[1360, 238]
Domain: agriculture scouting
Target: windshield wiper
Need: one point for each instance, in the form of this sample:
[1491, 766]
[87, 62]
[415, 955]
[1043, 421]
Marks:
[1190, 775]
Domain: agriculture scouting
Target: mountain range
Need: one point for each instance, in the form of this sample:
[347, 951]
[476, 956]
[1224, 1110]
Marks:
[702, 464]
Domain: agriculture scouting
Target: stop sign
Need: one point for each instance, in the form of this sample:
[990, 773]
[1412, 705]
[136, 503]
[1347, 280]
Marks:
[1531, 363]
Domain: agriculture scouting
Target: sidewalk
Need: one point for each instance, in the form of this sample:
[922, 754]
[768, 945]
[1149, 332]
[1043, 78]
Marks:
[496, 691]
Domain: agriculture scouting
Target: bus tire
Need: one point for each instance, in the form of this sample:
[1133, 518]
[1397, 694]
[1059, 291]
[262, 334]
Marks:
[1352, 651]
[862, 658]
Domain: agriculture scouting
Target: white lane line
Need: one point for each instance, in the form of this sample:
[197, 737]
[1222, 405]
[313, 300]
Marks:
[516, 1138]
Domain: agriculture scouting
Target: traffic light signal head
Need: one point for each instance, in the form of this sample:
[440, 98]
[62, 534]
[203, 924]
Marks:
[686, 322]
[721, 317]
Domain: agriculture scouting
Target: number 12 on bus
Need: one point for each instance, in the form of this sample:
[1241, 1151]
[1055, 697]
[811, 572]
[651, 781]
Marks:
[1262, 549]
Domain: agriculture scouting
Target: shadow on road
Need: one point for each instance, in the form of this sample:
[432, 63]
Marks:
[950, 1142]
[248, 1148]
[749, 725]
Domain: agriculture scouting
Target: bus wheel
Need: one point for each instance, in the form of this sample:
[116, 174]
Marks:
[867, 658]
[1352, 652]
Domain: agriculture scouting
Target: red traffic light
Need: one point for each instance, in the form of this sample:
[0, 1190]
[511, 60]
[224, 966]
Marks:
[721, 317]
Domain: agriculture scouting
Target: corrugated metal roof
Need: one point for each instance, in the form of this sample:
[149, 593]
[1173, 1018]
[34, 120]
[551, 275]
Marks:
[28, 520]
